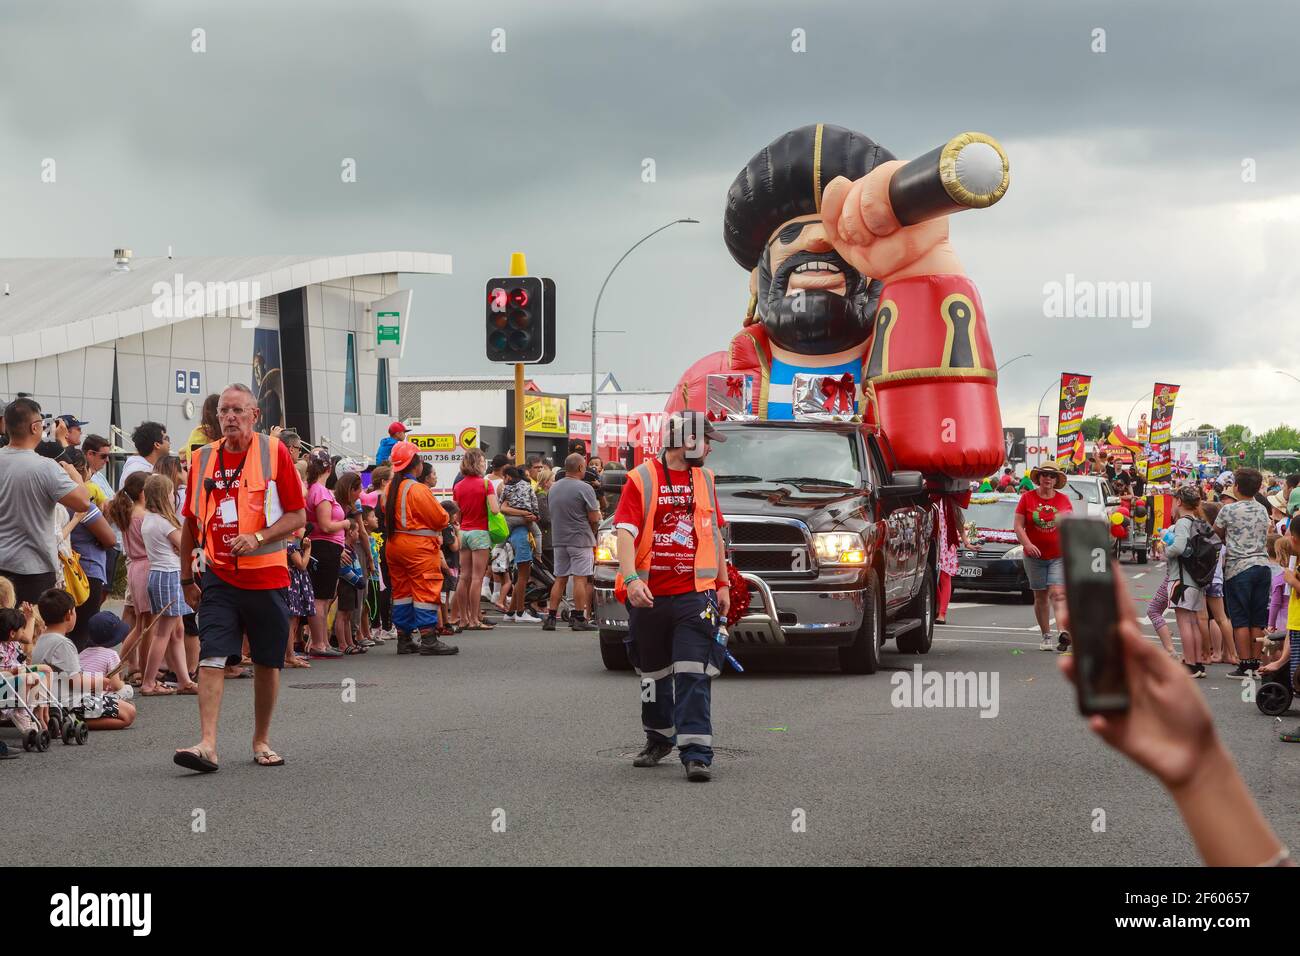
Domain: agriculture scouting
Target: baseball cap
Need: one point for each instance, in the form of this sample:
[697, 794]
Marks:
[679, 426]
[72, 421]
[397, 428]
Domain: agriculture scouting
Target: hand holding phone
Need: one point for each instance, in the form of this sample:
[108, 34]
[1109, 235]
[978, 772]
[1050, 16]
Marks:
[1166, 727]
[1094, 616]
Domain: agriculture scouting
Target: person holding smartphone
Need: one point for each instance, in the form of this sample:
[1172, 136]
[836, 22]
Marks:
[1037, 527]
[1166, 728]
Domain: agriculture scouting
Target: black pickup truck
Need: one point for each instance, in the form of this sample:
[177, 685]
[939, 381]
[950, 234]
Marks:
[836, 545]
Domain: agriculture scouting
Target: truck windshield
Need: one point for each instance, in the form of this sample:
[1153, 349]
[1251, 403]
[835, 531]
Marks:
[767, 455]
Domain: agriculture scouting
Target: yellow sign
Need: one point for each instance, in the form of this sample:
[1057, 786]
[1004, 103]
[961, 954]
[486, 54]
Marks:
[433, 442]
[546, 415]
[467, 439]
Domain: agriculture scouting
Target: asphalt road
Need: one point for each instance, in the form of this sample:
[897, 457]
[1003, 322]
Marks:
[526, 730]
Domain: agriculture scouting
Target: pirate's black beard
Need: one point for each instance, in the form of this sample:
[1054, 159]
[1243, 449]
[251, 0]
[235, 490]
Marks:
[817, 322]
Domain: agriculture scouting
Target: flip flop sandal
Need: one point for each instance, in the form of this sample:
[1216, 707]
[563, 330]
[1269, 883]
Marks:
[191, 691]
[193, 761]
[278, 761]
[159, 691]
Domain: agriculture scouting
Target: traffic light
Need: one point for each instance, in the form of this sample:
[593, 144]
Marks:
[520, 321]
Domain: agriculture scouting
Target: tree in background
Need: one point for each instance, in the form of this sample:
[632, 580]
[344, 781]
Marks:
[1095, 428]
[1238, 438]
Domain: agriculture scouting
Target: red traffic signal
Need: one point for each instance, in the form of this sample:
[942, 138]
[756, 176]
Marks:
[515, 328]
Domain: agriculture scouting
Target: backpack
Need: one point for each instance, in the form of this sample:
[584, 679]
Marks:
[1201, 558]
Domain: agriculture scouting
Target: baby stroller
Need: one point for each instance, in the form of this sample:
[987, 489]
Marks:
[1274, 695]
[64, 723]
[540, 583]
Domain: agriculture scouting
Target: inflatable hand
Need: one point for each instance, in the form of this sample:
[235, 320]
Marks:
[862, 225]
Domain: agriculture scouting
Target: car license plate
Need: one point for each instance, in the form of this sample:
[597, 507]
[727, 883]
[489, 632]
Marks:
[969, 572]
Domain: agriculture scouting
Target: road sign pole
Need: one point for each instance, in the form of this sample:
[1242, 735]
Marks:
[519, 267]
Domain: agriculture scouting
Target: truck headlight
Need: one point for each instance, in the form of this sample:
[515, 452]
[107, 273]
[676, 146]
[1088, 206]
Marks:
[607, 547]
[839, 547]
[1015, 554]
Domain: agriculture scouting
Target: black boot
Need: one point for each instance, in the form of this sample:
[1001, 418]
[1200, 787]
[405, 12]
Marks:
[430, 646]
[405, 645]
[652, 754]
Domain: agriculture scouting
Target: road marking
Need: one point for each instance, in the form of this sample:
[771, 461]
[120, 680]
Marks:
[988, 627]
[1140, 574]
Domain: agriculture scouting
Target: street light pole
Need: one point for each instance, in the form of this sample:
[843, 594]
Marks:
[1055, 383]
[1129, 420]
[1009, 361]
[596, 310]
[1287, 374]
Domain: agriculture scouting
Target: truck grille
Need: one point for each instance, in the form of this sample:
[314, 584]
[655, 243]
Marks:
[771, 548]
[763, 532]
[766, 562]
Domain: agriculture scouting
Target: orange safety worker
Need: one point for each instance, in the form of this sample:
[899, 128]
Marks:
[413, 523]
[673, 579]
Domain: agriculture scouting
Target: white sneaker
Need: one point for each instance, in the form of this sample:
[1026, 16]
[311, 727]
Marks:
[528, 618]
[1047, 643]
[509, 619]
[486, 591]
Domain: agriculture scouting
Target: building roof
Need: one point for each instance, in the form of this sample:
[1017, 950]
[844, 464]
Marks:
[50, 306]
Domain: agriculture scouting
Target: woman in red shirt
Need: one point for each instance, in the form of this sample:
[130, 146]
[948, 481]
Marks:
[474, 496]
[1038, 517]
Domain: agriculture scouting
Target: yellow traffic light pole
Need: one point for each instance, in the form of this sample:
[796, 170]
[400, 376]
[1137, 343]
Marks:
[519, 267]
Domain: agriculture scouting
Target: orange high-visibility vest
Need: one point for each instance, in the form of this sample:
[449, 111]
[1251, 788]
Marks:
[710, 552]
[260, 466]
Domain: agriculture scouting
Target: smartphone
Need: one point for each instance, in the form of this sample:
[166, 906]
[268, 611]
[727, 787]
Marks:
[1094, 617]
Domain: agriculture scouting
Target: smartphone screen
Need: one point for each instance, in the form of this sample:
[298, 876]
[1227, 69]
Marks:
[1094, 617]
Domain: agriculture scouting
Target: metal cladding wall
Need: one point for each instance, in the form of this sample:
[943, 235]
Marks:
[150, 376]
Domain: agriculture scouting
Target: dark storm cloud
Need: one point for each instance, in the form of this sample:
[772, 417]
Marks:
[463, 151]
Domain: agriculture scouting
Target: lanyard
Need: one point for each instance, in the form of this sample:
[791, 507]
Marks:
[228, 483]
[690, 481]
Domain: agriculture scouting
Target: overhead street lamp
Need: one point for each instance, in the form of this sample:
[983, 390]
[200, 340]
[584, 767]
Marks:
[1129, 420]
[596, 311]
[1055, 383]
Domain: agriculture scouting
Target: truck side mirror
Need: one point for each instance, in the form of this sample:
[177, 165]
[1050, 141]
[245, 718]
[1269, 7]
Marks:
[903, 484]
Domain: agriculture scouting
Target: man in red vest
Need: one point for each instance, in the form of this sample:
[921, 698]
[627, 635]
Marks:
[243, 501]
[673, 578]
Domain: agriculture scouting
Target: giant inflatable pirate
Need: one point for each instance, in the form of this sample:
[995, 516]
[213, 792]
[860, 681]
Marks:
[858, 304]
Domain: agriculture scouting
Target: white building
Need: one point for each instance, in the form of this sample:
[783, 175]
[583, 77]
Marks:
[118, 340]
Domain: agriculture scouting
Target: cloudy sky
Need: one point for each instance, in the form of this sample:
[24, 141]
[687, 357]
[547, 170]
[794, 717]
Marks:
[1167, 160]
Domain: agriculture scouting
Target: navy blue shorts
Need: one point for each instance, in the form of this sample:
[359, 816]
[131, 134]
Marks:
[226, 613]
[1246, 596]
